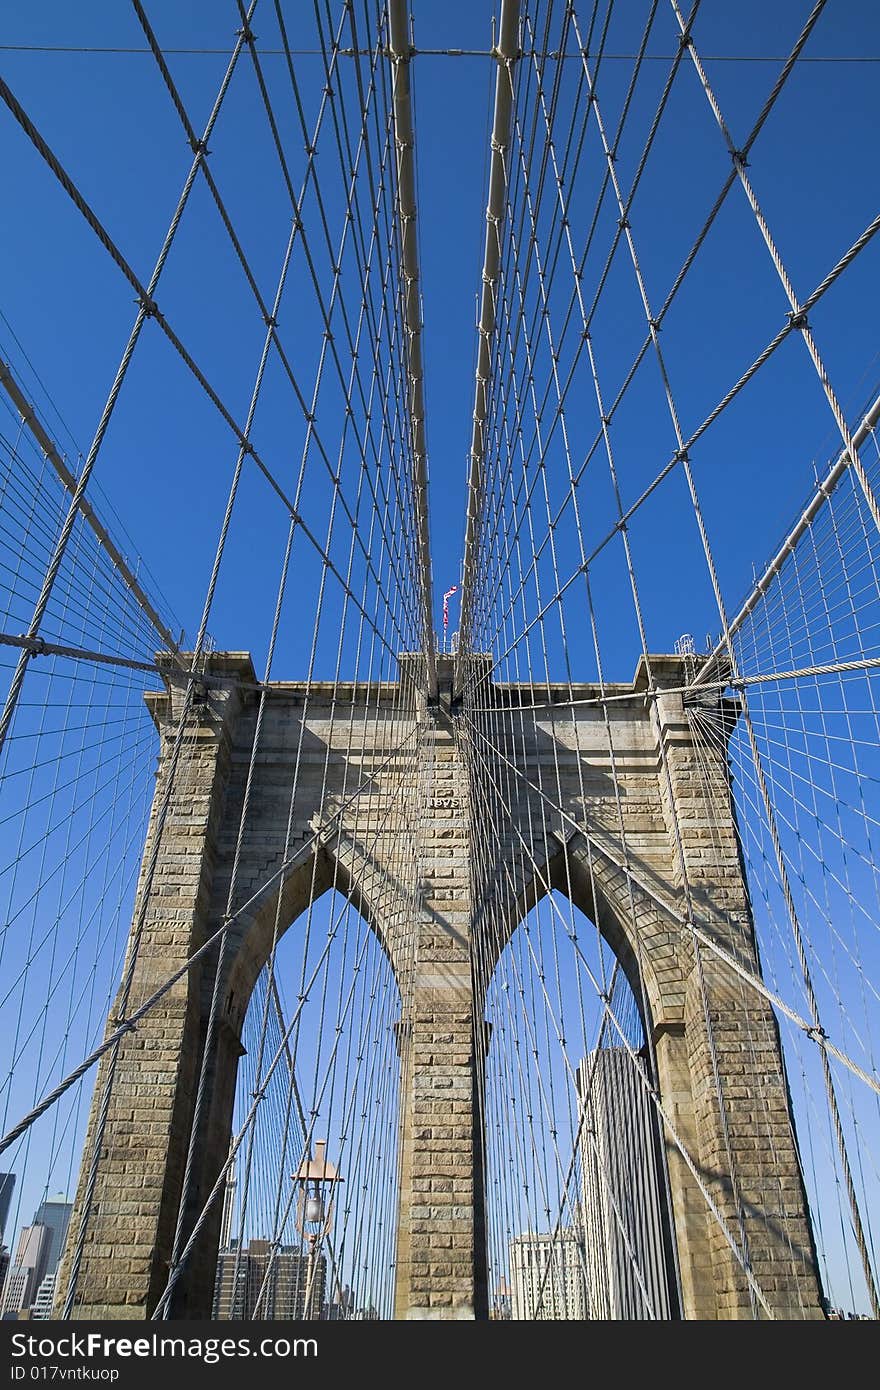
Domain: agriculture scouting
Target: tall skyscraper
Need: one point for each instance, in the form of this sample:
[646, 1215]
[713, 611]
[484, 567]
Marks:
[624, 1248]
[547, 1276]
[7, 1183]
[45, 1297]
[54, 1214]
[37, 1257]
[291, 1291]
[26, 1271]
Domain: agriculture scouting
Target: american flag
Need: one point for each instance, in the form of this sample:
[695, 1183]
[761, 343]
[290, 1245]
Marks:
[446, 598]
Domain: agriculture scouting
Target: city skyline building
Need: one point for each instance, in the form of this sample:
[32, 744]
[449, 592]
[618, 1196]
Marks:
[54, 1214]
[26, 1271]
[41, 1307]
[7, 1184]
[37, 1256]
[623, 1225]
[547, 1276]
[289, 1295]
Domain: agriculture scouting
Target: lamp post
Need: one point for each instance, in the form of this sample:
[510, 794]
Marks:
[314, 1210]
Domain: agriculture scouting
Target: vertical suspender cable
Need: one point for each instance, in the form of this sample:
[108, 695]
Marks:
[408, 231]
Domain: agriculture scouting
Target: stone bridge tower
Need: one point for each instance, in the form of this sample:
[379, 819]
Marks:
[638, 902]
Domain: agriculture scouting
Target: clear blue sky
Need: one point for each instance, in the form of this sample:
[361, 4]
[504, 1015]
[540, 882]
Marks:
[167, 460]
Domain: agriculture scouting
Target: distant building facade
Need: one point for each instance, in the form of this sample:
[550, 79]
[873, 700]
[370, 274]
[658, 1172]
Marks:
[501, 1309]
[7, 1183]
[241, 1277]
[547, 1276]
[42, 1304]
[36, 1261]
[54, 1214]
[624, 1247]
[26, 1270]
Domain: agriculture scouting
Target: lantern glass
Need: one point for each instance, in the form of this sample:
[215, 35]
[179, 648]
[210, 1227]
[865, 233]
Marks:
[314, 1209]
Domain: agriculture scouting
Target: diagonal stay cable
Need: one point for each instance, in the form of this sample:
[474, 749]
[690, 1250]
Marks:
[146, 307]
[128, 1023]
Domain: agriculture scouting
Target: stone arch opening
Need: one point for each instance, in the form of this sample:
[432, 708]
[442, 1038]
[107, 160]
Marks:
[327, 1017]
[577, 1203]
[278, 910]
[291, 909]
[630, 923]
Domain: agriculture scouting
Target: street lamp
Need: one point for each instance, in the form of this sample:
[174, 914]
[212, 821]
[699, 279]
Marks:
[314, 1210]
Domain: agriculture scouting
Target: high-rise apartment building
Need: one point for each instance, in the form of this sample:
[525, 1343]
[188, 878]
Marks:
[54, 1214]
[42, 1304]
[7, 1183]
[26, 1271]
[547, 1276]
[288, 1287]
[624, 1246]
[37, 1257]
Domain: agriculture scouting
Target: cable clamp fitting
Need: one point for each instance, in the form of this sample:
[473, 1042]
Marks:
[797, 318]
[739, 159]
[199, 146]
[623, 223]
[245, 33]
[36, 647]
[149, 306]
[817, 1033]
